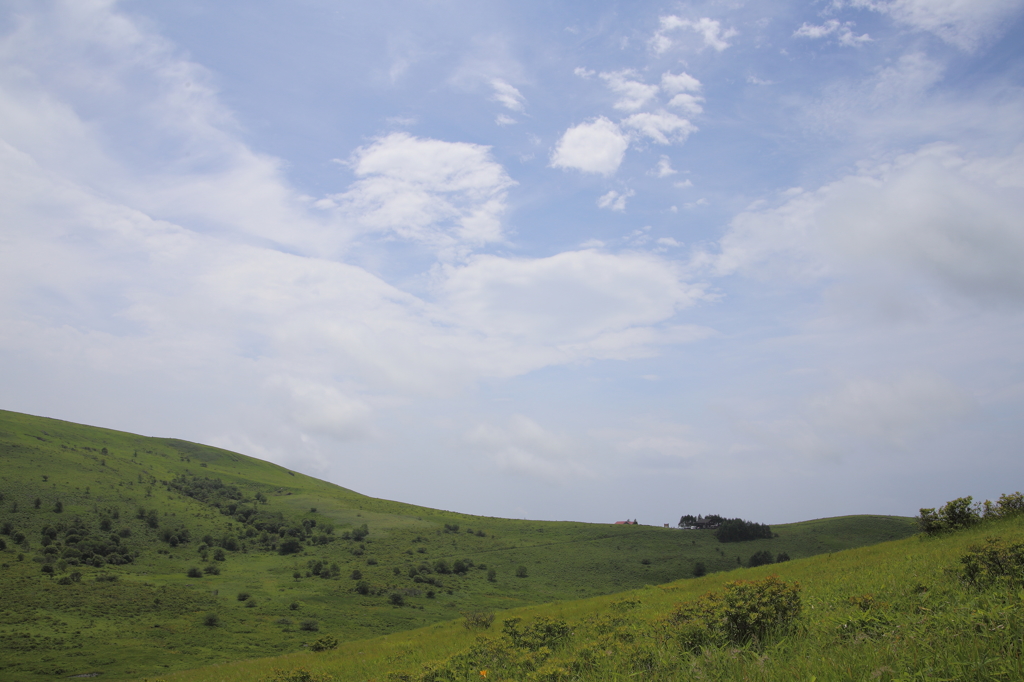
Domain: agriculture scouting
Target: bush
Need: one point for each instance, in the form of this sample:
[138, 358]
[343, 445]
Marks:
[325, 643]
[395, 599]
[954, 515]
[218, 555]
[699, 569]
[211, 620]
[251, 604]
[356, 575]
[748, 610]
[309, 625]
[242, 596]
[521, 572]
[294, 606]
[477, 620]
[289, 546]
[194, 573]
[738, 530]
[994, 562]
[762, 558]
[492, 575]
[212, 569]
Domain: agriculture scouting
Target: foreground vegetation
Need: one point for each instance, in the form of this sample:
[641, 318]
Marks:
[132, 556]
[946, 606]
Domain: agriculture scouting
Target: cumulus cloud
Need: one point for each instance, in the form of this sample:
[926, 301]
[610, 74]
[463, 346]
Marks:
[446, 194]
[507, 95]
[661, 126]
[573, 299]
[846, 35]
[524, 447]
[632, 93]
[710, 31]
[682, 87]
[594, 147]
[948, 220]
[962, 23]
[890, 410]
[664, 168]
[614, 201]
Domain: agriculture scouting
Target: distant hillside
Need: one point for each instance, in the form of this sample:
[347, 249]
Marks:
[922, 608]
[119, 549]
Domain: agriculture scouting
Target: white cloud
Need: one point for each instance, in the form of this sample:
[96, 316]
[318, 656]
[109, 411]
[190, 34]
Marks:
[688, 103]
[949, 222]
[446, 194]
[574, 300]
[846, 35]
[664, 168]
[661, 126]
[963, 23]
[709, 29]
[633, 94]
[811, 31]
[525, 447]
[583, 73]
[683, 82]
[614, 201]
[892, 410]
[504, 120]
[594, 147]
[507, 95]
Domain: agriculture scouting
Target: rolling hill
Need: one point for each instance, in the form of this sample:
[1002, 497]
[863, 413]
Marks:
[134, 556]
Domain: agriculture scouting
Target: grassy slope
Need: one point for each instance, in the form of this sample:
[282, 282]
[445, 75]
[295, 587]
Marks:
[925, 624]
[150, 619]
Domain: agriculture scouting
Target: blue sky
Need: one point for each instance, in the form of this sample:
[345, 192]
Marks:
[580, 260]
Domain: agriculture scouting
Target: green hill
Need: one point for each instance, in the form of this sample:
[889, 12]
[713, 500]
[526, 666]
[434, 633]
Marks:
[922, 608]
[133, 556]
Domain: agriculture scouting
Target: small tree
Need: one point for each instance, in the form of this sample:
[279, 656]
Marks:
[396, 599]
[58, 506]
[492, 575]
[37, 503]
[521, 572]
[699, 569]
[194, 573]
[211, 620]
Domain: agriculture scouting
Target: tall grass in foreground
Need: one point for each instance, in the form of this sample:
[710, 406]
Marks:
[903, 610]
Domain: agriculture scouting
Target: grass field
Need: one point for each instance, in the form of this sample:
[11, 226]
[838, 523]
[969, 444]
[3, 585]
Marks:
[899, 610]
[99, 544]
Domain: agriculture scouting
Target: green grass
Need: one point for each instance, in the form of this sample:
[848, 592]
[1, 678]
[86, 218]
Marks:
[922, 623]
[149, 621]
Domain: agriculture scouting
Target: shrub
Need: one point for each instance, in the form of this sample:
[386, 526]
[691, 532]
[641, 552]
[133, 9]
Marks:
[477, 620]
[492, 575]
[58, 506]
[218, 555]
[250, 604]
[309, 625]
[242, 596]
[362, 587]
[699, 569]
[194, 573]
[783, 556]
[212, 569]
[954, 515]
[294, 606]
[738, 530]
[748, 610]
[325, 643]
[396, 599]
[995, 561]
[3, 544]
[762, 558]
[289, 546]
[357, 575]
[521, 572]
[211, 620]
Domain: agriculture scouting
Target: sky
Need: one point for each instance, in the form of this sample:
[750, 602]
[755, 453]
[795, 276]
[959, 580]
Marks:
[587, 261]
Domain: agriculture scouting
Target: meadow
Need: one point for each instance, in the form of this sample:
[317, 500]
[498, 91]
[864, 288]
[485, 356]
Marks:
[133, 557]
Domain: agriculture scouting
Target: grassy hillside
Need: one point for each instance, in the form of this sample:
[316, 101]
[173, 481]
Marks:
[119, 549]
[901, 610]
